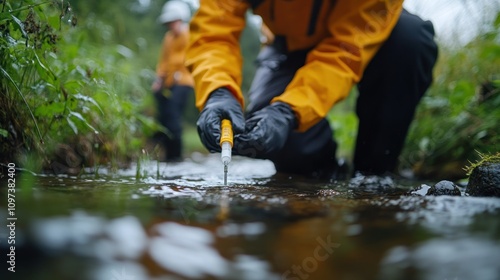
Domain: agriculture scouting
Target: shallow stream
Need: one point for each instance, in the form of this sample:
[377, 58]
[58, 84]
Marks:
[184, 224]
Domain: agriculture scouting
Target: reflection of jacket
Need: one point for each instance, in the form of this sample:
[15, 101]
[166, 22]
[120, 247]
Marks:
[344, 35]
[171, 63]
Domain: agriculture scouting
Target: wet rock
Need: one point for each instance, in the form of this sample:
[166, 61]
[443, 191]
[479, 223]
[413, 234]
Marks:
[484, 180]
[444, 188]
[420, 191]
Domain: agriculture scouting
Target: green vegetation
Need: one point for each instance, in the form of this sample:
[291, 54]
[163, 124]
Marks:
[460, 114]
[62, 91]
[344, 123]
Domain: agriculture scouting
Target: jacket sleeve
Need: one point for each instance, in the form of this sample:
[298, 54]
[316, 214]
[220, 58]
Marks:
[213, 55]
[357, 29]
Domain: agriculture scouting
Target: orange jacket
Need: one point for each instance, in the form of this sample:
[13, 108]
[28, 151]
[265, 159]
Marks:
[343, 36]
[171, 63]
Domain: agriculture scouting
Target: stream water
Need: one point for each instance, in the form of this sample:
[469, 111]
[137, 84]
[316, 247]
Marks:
[177, 221]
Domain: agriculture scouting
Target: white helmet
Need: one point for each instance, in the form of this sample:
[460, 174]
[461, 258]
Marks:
[175, 10]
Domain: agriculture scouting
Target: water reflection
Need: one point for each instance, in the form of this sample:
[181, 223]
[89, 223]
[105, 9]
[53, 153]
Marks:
[439, 258]
[186, 225]
[187, 251]
[124, 247]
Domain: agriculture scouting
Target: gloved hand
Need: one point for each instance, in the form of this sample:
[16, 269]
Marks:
[266, 131]
[157, 85]
[220, 105]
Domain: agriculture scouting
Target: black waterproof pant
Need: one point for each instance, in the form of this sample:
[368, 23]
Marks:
[170, 111]
[389, 92]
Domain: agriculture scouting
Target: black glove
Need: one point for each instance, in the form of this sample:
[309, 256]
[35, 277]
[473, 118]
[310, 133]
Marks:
[266, 131]
[221, 104]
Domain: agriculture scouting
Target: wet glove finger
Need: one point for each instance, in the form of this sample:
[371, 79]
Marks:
[266, 131]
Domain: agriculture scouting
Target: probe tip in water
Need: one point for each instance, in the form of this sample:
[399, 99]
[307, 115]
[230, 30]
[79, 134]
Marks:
[225, 174]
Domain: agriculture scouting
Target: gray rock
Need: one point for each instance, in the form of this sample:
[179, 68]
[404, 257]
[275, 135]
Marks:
[484, 180]
[444, 188]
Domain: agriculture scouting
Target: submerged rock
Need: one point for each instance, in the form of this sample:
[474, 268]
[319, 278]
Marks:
[484, 180]
[444, 188]
[441, 188]
[371, 182]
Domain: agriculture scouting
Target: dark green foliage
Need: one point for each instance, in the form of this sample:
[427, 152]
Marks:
[444, 188]
[484, 180]
[57, 86]
[459, 116]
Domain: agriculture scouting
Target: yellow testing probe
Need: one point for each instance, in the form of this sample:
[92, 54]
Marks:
[226, 144]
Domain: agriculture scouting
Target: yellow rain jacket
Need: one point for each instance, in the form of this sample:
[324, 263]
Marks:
[343, 36]
[171, 63]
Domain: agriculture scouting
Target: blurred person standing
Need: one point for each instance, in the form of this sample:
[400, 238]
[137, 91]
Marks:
[173, 83]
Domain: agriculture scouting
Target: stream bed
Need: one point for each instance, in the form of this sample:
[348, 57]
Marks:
[177, 221]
